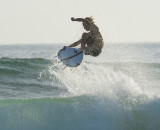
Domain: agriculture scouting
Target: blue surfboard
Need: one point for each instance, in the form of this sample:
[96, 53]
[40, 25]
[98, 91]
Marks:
[71, 57]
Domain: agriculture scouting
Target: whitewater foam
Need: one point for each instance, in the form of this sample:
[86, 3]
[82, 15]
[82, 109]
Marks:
[93, 79]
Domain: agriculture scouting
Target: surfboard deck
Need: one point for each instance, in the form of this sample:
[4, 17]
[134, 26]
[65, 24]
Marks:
[71, 57]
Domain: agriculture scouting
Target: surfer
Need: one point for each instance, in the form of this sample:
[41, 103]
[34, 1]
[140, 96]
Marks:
[92, 41]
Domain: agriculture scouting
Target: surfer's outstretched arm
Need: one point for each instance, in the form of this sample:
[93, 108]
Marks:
[75, 44]
[80, 20]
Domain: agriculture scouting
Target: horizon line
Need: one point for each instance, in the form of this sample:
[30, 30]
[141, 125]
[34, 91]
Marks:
[156, 42]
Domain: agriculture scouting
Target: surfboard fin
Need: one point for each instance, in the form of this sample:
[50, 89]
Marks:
[54, 56]
[60, 61]
[65, 67]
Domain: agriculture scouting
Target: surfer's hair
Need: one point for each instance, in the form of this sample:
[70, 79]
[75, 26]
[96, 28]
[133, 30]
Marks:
[90, 19]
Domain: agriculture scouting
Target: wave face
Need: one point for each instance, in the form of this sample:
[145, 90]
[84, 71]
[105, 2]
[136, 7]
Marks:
[102, 93]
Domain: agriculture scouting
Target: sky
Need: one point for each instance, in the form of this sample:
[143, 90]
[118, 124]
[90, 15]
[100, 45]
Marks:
[48, 21]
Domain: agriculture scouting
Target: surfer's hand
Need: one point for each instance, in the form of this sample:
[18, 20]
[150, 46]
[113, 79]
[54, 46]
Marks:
[64, 48]
[73, 19]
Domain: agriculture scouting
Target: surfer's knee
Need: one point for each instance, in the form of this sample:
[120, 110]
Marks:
[84, 35]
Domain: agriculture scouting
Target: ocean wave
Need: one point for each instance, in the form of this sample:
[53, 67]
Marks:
[40, 63]
[17, 74]
[95, 95]
[78, 112]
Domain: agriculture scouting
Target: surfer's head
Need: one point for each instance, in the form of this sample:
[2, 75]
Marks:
[90, 20]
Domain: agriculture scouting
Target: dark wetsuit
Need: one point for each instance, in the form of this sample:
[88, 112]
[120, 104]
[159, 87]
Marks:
[94, 42]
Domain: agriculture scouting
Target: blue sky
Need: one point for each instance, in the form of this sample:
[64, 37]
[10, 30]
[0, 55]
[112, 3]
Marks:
[48, 21]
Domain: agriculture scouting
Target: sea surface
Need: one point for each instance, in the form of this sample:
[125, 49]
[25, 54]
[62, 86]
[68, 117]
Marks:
[119, 90]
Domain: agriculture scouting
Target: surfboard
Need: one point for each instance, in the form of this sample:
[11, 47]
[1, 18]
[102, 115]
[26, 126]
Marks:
[71, 57]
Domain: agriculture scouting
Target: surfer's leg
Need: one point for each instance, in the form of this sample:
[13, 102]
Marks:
[83, 42]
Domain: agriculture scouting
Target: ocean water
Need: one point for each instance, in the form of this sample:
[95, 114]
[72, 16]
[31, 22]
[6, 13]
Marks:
[119, 90]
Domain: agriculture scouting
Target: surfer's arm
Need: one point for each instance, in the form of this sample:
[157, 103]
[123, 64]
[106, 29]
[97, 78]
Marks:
[75, 44]
[80, 20]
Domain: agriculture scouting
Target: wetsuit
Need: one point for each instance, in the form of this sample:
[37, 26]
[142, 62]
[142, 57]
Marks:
[94, 42]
